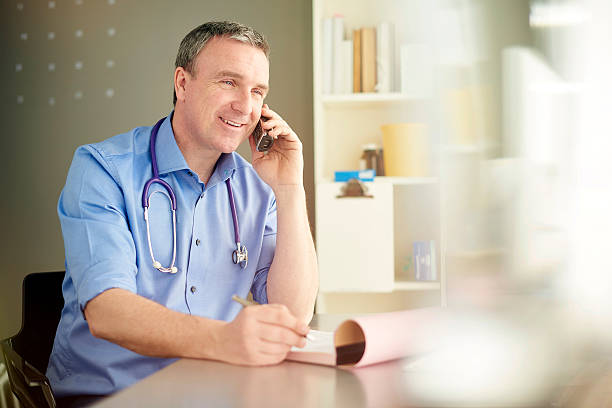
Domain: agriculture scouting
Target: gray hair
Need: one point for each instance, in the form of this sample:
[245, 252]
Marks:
[197, 38]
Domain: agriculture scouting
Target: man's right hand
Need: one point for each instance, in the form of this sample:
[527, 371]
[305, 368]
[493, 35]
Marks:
[260, 335]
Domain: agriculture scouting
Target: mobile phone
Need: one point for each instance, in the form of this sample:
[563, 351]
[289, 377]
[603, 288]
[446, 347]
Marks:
[263, 141]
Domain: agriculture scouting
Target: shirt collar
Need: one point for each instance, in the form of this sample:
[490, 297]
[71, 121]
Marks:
[226, 164]
[170, 158]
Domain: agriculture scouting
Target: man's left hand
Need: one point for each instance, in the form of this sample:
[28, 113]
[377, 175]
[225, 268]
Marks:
[283, 164]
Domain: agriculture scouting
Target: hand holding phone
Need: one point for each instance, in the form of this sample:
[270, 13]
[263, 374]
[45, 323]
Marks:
[263, 141]
[282, 163]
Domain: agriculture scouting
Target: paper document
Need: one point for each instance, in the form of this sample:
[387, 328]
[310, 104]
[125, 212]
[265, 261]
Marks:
[371, 339]
[322, 342]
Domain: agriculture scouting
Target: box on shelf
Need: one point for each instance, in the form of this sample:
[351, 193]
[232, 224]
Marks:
[425, 260]
[361, 175]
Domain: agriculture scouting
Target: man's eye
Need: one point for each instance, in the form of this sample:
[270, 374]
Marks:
[228, 82]
[258, 92]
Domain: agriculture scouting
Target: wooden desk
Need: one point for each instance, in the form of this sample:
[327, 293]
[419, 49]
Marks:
[203, 383]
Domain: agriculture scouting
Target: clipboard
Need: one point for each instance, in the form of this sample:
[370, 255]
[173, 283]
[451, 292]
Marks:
[372, 339]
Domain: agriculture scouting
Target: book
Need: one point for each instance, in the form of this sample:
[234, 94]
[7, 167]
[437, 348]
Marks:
[384, 57]
[356, 61]
[327, 58]
[337, 38]
[368, 59]
[347, 66]
[372, 339]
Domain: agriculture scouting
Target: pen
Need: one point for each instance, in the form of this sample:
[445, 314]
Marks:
[246, 302]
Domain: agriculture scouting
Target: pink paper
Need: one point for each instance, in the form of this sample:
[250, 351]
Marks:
[397, 334]
[387, 336]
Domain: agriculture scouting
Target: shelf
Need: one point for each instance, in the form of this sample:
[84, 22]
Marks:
[416, 285]
[368, 98]
[362, 243]
[558, 88]
[467, 149]
[477, 254]
[406, 180]
[392, 180]
[397, 286]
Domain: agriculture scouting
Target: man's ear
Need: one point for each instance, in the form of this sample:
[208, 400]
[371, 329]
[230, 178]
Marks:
[180, 81]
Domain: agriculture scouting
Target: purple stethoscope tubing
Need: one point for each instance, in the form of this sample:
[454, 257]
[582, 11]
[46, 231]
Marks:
[240, 255]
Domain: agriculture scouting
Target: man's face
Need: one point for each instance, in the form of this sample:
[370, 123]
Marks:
[224, 95]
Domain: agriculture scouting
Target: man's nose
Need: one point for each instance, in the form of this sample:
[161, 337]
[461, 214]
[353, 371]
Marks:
[242, 102]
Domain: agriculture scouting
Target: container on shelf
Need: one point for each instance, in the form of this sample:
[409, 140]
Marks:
[406, 149]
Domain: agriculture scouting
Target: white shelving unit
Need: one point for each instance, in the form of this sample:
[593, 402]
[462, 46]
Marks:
[364, 245]
[367, 98]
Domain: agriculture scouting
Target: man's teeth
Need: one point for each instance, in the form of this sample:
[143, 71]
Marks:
[229, 122]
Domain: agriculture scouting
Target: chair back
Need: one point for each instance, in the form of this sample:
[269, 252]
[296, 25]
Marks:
[27, 353]
[41, 310]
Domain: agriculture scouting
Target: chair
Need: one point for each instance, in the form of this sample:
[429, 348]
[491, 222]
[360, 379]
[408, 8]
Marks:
[27, 353]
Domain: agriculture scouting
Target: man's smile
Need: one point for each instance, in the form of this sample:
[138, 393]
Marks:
[231, 123]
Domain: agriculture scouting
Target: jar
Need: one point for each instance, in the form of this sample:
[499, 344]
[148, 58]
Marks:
[371, 158]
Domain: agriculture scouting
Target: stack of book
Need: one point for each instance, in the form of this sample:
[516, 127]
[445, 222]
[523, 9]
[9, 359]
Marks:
[361, 63]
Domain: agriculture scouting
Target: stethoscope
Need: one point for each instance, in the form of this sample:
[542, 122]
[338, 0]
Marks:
[240, 255]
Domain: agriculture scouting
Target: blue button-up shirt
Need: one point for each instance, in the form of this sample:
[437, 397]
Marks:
[105, 239]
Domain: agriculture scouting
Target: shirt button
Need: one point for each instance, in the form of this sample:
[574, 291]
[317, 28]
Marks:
[197, 242]
[193, 289]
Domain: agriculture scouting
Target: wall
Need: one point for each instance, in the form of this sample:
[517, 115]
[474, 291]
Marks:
[106, 68]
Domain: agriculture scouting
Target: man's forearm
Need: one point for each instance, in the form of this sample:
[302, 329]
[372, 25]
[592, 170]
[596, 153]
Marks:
[149, 328]
[293, 277]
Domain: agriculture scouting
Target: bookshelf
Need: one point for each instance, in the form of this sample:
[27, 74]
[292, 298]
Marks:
[365, 245]
[354, 99]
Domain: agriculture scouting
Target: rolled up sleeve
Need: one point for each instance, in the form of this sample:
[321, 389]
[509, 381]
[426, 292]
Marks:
[260, 281]
[100, 250]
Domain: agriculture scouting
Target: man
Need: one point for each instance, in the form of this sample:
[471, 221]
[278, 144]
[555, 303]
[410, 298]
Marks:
[123, 316]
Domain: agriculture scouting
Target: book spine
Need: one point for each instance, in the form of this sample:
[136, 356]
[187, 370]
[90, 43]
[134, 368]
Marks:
[347, 66]
[338, 37]
[384, 57]
[356, 61]
[368, 59]
[327, 60]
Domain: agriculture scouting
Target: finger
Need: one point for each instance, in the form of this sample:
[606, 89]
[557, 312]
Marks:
[271, 359]
[280, 315]
[269, 347]
[282, 335]
[284, 131]
[269, 113]
[281, 129]
[272, 123]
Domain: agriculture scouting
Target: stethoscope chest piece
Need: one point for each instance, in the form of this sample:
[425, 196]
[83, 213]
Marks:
[241, 255]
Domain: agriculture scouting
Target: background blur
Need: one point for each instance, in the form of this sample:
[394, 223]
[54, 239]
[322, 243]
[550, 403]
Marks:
[520, 142]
